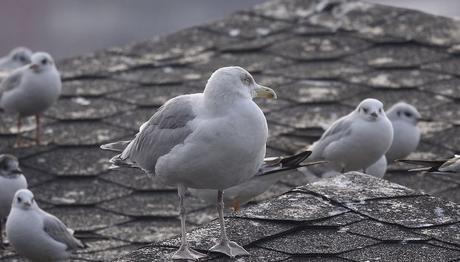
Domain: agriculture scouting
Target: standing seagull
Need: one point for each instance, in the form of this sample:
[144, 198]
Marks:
[18, 57]
[37, 235]
[31, 89]
[355, 141]
[210, 140]
[11, 180]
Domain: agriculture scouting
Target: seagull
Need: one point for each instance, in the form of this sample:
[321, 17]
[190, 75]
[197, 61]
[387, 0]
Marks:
[355, 141]
[445, 166]
[18, 57]
[36, 234]
[210, 140]
[11, 180]
[31, 89]
[269, 173]
[406, 135]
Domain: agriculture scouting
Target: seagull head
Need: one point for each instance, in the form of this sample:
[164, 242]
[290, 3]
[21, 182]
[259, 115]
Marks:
[21, 55]
[24, 199]
[370, 109]
[9, 165]
[404, 112]
[235, 82]
[41, 62]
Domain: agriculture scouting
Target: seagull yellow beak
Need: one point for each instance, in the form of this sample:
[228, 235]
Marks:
[264, 92]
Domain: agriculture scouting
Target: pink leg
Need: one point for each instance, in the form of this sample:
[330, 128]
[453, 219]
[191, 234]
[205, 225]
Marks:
[37, 130]
[18, 135]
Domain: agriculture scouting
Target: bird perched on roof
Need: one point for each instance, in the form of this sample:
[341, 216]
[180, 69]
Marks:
[269, 173]
[451, 165]
[18, 57]
[36, 234]
[31, 89]
[210, 140]
[11, 180]
[406, 136]
[355, 141]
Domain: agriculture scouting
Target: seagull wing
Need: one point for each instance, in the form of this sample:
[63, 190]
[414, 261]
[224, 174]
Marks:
[337, 131]
[165, 129]
[12, 81]
[59, 232]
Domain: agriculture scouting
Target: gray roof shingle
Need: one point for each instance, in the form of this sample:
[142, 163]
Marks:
[322, 57]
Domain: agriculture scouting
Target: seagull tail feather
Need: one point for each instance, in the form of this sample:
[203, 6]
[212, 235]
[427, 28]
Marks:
[295, 160]
[119, 162]
[116, 146]
[430, 163]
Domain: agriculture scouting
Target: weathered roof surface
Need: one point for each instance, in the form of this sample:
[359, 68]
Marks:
[322, 58]
[352, 217]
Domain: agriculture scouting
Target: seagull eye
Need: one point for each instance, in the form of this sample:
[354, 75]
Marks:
[19, 199]
[247, 80]
[44, 61]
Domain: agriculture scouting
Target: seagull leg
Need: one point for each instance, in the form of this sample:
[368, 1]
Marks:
[2, 246]
[37, 129]
[18, 132]
[184, 251]
[229, 248]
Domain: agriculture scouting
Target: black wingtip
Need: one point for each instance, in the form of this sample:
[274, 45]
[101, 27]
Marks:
[296, 159]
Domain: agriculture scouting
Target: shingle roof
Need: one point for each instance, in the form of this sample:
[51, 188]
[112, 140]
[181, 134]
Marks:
[322, 58]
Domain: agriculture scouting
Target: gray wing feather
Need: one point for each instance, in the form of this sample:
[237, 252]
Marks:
[165, 129]
[339, 129]
[11, 81]
[59, 232]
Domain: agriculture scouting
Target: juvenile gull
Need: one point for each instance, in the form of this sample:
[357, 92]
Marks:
[37, 235]
[18, 57]
[11, 180]
[31, 89]
[355, 141]
[406, 136]
[269, 173]
[210, 140]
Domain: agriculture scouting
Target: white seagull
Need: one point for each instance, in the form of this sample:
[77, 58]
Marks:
[355, 141]
[11, 180]
[37, 235]
[31, 89]
[18, 57]
[406, 136]
[210, 140]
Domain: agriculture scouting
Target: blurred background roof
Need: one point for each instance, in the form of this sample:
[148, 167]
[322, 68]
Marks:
[66, 28]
